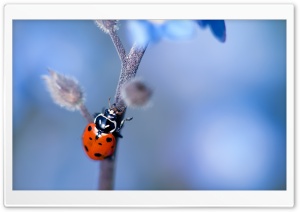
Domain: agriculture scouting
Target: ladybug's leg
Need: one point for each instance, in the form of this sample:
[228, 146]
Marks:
[122, 122]
[111, 157]
[118, 134]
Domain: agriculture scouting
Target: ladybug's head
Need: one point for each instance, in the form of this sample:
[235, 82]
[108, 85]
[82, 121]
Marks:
[107, 122]
[110, 113]
[113, 110]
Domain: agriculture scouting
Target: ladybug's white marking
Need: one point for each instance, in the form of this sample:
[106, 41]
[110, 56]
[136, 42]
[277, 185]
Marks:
[114, 122]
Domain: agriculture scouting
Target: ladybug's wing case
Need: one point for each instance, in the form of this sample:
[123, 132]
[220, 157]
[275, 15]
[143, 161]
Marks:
[97, 148]
[89, 134]
[107, 144]
[88, 140]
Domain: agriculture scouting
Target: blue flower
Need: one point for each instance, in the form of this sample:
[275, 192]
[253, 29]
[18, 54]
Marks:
[143, 31]
[217, 27]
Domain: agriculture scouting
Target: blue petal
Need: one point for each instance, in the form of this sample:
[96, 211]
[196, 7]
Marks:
[179, 29]
[155, 32]
[139, 31]
[217, 27]
[202, 23]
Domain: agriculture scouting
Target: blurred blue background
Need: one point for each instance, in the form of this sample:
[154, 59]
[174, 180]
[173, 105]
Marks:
[217, 118]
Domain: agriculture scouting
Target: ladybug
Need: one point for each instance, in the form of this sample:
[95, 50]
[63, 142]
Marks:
[99, 137]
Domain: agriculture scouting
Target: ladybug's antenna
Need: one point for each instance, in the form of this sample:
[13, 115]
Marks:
[114, 108]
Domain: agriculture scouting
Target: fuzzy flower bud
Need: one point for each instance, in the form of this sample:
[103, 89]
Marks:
[65, 91]
[136, 93]
[107, 25]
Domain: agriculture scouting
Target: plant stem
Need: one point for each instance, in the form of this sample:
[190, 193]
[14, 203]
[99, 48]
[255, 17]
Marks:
[85, 113]
[118, 44]
[128, 71]
[130, 64]
[107, 171]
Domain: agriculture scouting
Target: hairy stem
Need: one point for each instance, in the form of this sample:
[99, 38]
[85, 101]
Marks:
[107, 168]
[128, 71]
[118, 44]
[130, 64]
[85, 113]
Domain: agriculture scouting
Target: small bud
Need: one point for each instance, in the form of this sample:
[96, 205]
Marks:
[107, 25]
[65, 91]
[136, 93]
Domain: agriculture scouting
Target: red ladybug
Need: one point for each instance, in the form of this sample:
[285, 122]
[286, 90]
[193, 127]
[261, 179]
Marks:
[99, 137]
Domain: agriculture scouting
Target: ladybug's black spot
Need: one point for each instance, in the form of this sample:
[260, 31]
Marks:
[96, 137]
[97, 154]
[86, 149]
[89, 128]
[108, 139]
[100, 144]
[112, 146]
[91, 138]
